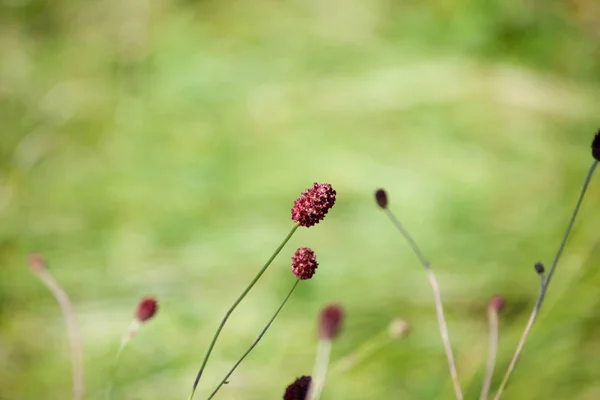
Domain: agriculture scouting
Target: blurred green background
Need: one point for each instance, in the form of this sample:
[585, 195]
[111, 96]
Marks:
[156, 148]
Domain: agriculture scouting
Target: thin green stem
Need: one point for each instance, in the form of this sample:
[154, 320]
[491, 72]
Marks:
[361, 353]
[72, 331]
[546, 283]
[235, 304]
[437, 298]
[262, 333]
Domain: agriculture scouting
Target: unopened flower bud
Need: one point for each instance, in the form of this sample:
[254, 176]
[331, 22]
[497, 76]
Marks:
[381, 198]
[146, 309]
[539, 268]
[36, 262]
[496, 303]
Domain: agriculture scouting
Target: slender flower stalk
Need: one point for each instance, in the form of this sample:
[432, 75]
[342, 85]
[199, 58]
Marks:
[329, 328]
[309, 209]
[495, 306]
[146, 310]
[382, 201]
[235, 304]
[397, 329]
[546, 281]
[260, 336]
[37, 264]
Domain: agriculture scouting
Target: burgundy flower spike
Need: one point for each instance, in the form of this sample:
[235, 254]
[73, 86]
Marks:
[304, 263]
[298, 390]
[146, 309]
[313, 204]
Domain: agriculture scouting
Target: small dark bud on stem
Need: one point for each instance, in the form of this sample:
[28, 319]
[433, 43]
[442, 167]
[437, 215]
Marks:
[539, 268]
[381, 198]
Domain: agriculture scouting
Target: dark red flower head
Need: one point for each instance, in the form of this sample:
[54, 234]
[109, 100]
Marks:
[596, 146]
[146, 309]
[298, 390]
[331, 322]
[313, 204]
[496, 303]
[381, 198]
[304, 263]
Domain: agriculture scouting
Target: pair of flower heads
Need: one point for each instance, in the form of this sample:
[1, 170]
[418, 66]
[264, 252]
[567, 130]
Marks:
[308, 210]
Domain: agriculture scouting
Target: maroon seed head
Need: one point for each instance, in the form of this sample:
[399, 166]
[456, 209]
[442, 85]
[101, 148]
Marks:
[298, 390]
[313, 204]
[304, 263]
[539, 268]
[331, 322]
[146, 309]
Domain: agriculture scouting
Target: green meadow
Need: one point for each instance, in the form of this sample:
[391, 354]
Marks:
[157, 147]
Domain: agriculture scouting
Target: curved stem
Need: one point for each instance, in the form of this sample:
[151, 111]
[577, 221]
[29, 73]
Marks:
[544, 289]
[262, 333]
[73, 333]
[437, 298]
[235, 304]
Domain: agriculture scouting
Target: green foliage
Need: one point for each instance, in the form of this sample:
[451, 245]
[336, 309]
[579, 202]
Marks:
[156, 148]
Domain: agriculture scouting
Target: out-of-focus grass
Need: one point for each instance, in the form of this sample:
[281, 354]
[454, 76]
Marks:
[156, 148]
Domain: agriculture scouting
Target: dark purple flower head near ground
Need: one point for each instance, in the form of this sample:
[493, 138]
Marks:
[596, 146]
[313, 204]
[146, 309]
[330, 322]
[298, 390]
[496, 303]
[304, 263]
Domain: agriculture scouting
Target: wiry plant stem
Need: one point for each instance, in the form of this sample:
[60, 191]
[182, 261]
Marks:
[72, 331]
[439, 309]
[546, 283]
[235, 304]
[492, 351]
[262, 333]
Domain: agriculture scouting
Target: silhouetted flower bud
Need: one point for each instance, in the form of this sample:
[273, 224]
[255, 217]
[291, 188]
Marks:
[313, 204]
[304, 263]
[381, 198]
[539, 268]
